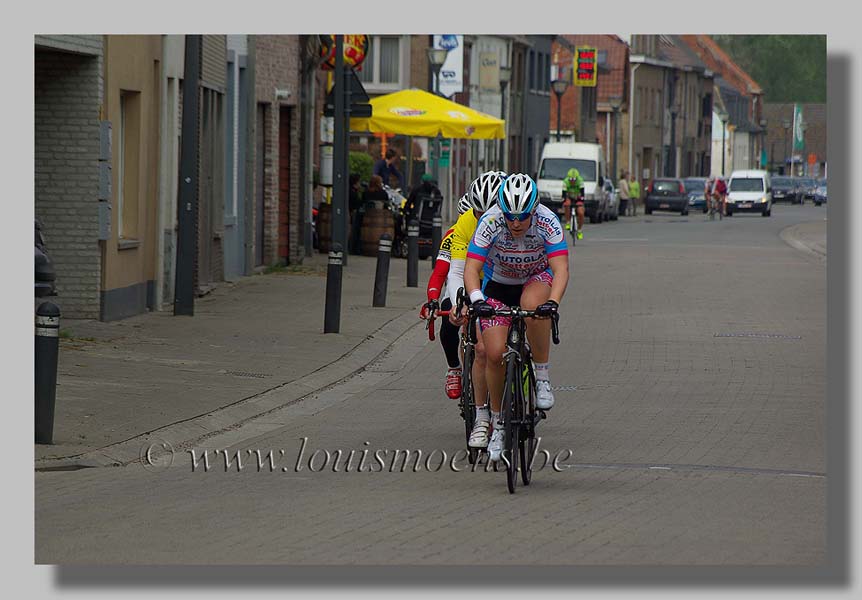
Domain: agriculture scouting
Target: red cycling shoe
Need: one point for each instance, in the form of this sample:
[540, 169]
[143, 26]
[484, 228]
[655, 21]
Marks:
[453, 384]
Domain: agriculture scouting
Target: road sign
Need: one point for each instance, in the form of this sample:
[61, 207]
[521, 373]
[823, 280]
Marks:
[359, 107]
[798, 134]
[586, 63]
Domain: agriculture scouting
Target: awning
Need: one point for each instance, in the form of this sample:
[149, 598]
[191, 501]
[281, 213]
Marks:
[419, 113]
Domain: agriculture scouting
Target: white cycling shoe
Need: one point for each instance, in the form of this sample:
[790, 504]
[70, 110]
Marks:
[479, 435]
[495, 446]
[544, 395]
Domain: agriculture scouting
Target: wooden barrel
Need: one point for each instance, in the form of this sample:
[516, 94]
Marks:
[324, 228]
[375, 223]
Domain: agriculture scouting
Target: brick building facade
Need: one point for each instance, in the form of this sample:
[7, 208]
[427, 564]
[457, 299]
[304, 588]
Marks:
[277, 81]
[68, 92]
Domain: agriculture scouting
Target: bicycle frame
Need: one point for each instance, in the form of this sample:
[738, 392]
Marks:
[519, 402]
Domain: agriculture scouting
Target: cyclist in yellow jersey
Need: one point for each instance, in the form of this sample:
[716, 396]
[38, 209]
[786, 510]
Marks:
[483, 196]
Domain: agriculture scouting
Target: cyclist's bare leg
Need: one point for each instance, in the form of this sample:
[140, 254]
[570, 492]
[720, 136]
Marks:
[538, 330]
[480, 387]
[495, 368]
[580, 210]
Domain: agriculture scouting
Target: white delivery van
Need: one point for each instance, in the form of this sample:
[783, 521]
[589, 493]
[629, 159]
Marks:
[589, 160]
[749, 191]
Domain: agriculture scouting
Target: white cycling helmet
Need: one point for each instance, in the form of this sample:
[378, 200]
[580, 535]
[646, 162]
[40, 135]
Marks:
[484, 189]
[464, 204]
[518, 195]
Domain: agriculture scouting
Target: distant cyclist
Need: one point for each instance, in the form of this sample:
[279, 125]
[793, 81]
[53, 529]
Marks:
[573, 187]
[520, 246]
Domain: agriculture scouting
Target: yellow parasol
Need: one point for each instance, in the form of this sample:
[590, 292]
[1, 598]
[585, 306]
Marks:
[419, 113]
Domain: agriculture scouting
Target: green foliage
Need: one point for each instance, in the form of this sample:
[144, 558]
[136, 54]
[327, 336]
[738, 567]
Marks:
[789, 68]
[362, 164]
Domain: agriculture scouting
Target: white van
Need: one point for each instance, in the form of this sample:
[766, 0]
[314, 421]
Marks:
[749, 191]
[589, 160]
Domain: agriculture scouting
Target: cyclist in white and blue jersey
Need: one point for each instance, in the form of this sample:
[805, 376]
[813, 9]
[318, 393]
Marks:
[521, 247]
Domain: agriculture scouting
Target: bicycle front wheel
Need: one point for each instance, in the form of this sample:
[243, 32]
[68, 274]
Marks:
[511, 403]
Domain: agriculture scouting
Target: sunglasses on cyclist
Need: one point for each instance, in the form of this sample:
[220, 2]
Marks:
[520, 217]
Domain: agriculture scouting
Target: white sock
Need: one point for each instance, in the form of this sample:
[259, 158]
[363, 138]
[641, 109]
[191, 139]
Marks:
[455, 370]
[496, 418]
[542, 371]
[482, 413]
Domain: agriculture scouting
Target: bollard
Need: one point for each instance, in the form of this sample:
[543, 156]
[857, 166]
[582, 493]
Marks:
[381, 278]
[47, 352]
[332, 315]
[413, 254]
[436, 236]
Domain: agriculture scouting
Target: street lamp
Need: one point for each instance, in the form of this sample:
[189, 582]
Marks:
[786, 124]
[559, 86]
[615, 103]
[505, 78]
[723, 117]
[436, 58]
[675, 109]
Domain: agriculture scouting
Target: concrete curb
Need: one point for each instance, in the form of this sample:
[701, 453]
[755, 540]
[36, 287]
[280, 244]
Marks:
[189, 431]
[792, 237]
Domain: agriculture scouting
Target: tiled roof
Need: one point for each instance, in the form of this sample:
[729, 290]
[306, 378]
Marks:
[718, 60]
[674, 50]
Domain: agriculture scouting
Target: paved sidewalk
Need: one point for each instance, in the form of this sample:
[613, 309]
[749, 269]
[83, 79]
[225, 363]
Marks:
[118, 381]
[808, 237]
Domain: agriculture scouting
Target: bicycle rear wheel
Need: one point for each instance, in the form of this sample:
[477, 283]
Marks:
[511, 402]
[527, 442]
[468, 404]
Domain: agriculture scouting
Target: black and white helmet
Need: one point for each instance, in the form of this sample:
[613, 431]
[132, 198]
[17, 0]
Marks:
[484, 190]
[464, 204]
[518, 194]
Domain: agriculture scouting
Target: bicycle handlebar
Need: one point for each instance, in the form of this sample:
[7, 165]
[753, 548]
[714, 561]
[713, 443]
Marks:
[520, 312]
[462, 300]
[430, 325]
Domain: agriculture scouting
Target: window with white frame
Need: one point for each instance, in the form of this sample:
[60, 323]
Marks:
[382, 66]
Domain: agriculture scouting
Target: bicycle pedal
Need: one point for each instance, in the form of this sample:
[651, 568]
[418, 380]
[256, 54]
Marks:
[542, 414]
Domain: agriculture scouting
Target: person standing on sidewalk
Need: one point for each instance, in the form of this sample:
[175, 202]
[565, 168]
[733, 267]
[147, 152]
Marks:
[623, 186]
[634, 193]
[385, 167]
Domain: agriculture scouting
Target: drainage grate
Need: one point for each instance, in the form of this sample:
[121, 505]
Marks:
[247, 374]
[771, 336]
[574, 388]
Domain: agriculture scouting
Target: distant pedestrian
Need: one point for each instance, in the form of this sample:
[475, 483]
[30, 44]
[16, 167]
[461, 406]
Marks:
[623, 186]
[634, 193]
[386, 169]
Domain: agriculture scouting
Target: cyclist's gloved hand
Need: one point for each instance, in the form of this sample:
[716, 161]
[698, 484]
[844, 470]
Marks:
[482, 309]
[548, 309]
[431, 305]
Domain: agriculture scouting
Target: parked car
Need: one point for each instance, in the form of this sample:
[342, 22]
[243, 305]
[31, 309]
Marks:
[666, 194]
[786, 189]
[695, 188]
[807, 185]
[613, 197]
[749, 191]
[820, 193]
